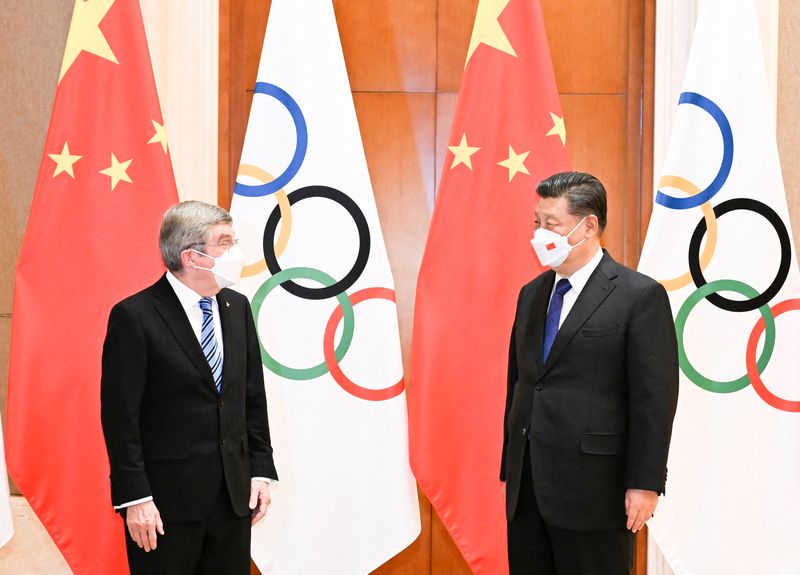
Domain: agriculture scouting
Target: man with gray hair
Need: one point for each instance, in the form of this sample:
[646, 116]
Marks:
[183, 406]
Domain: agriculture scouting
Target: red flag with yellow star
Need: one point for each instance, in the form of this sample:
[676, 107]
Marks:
[92, 238]
[507, 135]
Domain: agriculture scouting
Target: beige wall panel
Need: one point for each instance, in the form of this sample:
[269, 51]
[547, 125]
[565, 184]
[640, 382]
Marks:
[588, 44]
[789, 107]
[454, 30]
[389, 45]
[597, 145]
[30, 62]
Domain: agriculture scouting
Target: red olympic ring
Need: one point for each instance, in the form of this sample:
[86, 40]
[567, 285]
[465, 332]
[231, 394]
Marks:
[750, 358]
[330, 355]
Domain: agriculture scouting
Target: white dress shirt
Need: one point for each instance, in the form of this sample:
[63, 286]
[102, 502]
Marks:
[190, 302]
[578, 281]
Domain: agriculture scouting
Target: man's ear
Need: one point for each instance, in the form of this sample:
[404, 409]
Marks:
[188, 258]
[592, 226]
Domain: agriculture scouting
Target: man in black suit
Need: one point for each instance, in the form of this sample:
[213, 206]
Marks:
[183, 404]
[592, 392]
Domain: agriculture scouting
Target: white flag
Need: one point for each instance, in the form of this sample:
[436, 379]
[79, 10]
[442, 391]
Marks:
[6, 523]
[720, 241]
[323, 297]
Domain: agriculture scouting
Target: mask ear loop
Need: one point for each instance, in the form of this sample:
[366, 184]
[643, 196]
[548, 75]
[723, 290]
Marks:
[206, 255]
[576, 227]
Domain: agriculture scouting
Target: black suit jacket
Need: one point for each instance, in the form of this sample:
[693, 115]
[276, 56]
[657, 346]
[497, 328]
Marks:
[168, 433]
[599, 412]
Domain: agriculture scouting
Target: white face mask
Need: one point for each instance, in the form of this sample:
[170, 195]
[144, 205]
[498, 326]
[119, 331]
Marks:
[227, 268]
[552, 248]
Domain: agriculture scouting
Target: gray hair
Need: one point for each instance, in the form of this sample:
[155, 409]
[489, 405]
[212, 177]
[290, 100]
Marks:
[186, 225]
[585, 194]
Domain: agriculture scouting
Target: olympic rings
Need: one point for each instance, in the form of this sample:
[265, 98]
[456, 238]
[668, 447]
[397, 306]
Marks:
[755, 372]
[344, 304]
[300, 148]
[330, 356]
[711, 223]
[273, 248]
[727, 156]
[286, 217]
[757, 300]
[707, 226]
[680, 323]
[363, 242]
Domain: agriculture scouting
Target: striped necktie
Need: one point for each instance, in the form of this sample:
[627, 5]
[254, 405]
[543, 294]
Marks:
[209, 343]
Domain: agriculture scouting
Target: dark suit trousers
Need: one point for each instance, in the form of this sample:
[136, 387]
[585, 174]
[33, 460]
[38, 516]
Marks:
[536, 548]
[218, 545]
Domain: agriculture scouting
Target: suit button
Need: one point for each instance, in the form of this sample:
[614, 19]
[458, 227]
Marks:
[223, 442]
[524, 431]
[221, 403]
[539, 387]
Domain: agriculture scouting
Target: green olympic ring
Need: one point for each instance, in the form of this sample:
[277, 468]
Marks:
[347, 333]
[680, 322]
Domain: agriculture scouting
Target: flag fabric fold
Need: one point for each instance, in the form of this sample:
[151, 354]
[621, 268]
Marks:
[508, 134]
[323, 296]
[720, 241]
[92, 238]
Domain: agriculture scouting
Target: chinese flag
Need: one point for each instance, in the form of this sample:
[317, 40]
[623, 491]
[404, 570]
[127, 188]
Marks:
[507, 135]
[92, 238]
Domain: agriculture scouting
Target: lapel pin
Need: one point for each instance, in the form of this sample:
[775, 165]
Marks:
[227, 304]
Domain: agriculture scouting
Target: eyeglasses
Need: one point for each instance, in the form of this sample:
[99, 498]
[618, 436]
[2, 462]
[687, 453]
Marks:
[227, 244]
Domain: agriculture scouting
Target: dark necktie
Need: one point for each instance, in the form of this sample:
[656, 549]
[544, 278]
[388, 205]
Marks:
[209, 342]
[554, 315]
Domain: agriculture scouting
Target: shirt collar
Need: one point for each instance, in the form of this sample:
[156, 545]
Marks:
[579, 278]
[186, 295]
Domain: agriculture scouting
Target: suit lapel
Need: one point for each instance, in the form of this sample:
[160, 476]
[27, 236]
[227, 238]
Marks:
[601, 283]
[169, 307]
[226, 320]
[536, 319]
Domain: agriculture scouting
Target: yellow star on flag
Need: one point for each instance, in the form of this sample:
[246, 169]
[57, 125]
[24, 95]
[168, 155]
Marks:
[64, 161]
[160, 137]
[558, 128]
[487, 29]
[118, 171]
[463, 153]
[85, 35]
[515, 163]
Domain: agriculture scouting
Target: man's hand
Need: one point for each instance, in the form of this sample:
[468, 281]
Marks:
[639, 507]
[144, 521]
[259, 500]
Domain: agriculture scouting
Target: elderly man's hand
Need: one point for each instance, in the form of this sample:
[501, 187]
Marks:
[144, 521]
[259, 500]
[639, 507]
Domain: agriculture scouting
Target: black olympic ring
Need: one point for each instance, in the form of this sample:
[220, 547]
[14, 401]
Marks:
[363, 242]
[783, 268]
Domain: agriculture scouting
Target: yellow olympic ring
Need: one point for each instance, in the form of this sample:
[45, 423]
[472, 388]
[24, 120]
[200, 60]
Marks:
[286, 217]
[711, 223]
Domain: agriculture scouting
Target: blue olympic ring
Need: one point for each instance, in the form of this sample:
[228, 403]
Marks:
[727, 156]
[299, 151]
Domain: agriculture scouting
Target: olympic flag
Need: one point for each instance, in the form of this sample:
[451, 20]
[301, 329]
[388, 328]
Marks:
[508, 134]
[323, 296]
[720, 241]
